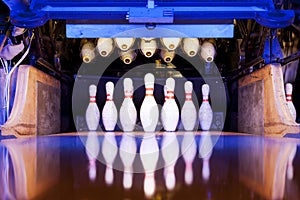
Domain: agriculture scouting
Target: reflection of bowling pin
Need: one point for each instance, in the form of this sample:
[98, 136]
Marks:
[148, 46]
[290, 168]
[167, 55]
[88, 52]
[109, 112]
[92, 114]
[207, 51]
[289, 91]
[127, 154]
[128, 112]
[109, 152]
[170, 112]
[205, 152]
[124, 43]
[105, 46]
[149, 110]
[188, 150]
[191, 46]
[170, 43]
[205, 111]
[92, 148]
[170, 153]
[188, 111]
[149, 153]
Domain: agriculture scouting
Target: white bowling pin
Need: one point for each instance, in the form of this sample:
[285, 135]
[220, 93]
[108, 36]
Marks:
[149, 113]
[191, 46]
[205, 152]
[149, 153]
[109, 152]
[124, 43]
[148, 46]
[170, 112]
[109, 112]
[170, 153]
[167, 55]
[92, 148]
[207, 51]
[105, 46]
[188, 111]
[128, 149]
[88, 52]
[128, 112]
[188, 150]
[128, 56]
[92, 114]
[289, 91]
[290, 168]
[170, 43]
[205, 111]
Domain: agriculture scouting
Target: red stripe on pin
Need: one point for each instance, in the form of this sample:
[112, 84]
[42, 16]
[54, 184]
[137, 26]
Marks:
[149, 95]
[188, 99]
[129, 96]
[149, 89]
[108, 99]
[205, 100]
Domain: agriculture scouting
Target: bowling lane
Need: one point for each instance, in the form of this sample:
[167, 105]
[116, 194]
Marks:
[188, 165]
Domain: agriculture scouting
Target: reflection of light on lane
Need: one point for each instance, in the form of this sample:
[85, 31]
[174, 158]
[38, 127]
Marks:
[290, 168]
[5, 182]
[188, 150]
[128, 149]
[92, 148]
[149, 153]
[205, 152]
[170, 153]
[109, 151]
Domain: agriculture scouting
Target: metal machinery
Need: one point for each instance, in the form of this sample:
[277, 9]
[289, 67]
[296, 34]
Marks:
[247, 34]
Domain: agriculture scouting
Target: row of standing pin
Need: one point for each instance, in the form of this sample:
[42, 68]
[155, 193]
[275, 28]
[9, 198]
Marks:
[149, 112]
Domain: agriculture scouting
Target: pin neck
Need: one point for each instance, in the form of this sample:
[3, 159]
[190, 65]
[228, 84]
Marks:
[170, 94]
[129, 96]
[149, 175]
[189, 165]
[288, 97]
[170, 170]
[92, 99]
[205, 98]
[188, 96]
[149, 91]
[109, 97]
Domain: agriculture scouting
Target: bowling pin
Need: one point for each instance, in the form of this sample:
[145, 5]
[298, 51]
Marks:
[149, 153]
[207, 51]
[109, 112]
[149, 113]
[167, 55]
[92, 148]
[290, 168]
[92, 114]
[128, 149]
[205, 111]
[88, 52]
[188, 111]
[128, 112]
[124, 44]
[170, 112]
[205, 152]
[128, 56]
[170, 153]
[148, 46]
[191, 46]
[188, 150]
[105, 46]
[289, 91]
[170, 43]
[109, 152]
